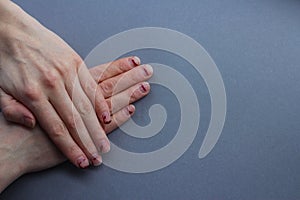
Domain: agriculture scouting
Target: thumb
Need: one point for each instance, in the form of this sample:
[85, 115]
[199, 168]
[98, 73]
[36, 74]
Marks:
[14, 111]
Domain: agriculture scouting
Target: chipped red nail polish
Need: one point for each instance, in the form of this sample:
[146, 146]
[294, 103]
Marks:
[129, 111]
[97, 160]
[82, 162]
[106, 118]
[136, 61]
[148, 70]
[143, 88]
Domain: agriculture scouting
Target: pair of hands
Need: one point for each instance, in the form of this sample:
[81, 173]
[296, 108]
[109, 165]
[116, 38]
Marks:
[24, 150]
[43, 78]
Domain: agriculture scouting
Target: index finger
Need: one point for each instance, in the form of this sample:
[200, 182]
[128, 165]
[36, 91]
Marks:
[114, 68]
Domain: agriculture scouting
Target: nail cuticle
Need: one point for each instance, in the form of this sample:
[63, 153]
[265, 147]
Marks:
[143, 88]
[136, 61]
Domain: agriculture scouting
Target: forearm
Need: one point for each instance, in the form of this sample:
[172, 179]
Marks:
[22, 151]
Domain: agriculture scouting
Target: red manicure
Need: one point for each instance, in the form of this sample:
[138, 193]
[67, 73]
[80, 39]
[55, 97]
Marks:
[106, 118]
[143, 88]
[136, 61]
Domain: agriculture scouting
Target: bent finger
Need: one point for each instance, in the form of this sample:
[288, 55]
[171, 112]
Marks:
[120, 118]
[16, 112]
[114, 68]
[126, 97]
[123, 81]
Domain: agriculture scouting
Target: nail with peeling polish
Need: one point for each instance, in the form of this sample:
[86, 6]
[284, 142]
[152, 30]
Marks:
[148, 70]
[106, 117]
[82, 162]
[97, 160]
[136, 60]
[143, 88]
[104, 146]
[130, 109]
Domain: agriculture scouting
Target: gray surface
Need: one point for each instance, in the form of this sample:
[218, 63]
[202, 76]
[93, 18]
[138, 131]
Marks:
[256, 45]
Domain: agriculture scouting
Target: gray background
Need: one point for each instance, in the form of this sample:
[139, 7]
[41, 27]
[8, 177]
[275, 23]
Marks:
[255, 44]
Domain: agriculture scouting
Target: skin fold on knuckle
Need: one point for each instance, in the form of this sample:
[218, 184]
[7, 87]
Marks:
[107, 88]
[67, 65]
[124, 65]
[84, 108]
[32, 92]
[58, 131]
[51, 80]
[8, 113]
[135, 94]
[71, 122]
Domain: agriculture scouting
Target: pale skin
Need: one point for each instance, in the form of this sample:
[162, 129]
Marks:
[24, 150]
[51, 84]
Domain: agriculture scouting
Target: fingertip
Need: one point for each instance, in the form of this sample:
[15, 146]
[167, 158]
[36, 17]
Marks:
[148, 70]
[82, 162]
[104, 146]
[130, 109]
[96, 160]
[106, 117]
[145, 87]
[29, 122]
[136, 61]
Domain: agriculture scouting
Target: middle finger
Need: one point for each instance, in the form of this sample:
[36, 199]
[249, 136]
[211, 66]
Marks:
[123, 81]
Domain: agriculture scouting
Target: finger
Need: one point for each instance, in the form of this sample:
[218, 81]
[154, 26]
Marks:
[94, 94]
[16, 112]
[120, 118]
[132, 94]
[87, 113]
[57, 131]
[111, 69]
[123, 81]
[75, 125]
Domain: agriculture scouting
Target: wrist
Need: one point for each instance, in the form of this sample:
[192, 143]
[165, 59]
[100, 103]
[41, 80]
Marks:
[12, 165]
[10, 170]
[11, 15]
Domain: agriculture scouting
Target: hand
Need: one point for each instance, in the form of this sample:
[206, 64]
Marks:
[25, 150]
[51, 84]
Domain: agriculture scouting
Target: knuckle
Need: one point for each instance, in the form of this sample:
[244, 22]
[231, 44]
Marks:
[107, 88]
[85, 108]
[124, 65]
[69, 65]
[32, 92]
[58, 130]
[8, 113]
[76, 62]
[71, 122]
[73, 149]
[134, 95]
[51, 80]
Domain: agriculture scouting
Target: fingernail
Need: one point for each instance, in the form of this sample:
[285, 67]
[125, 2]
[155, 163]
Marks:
[28, 121]
[104, 146]
[97, 160]
[143, 87]
[130, 109]
[148, 70]
[106, 117]
[136, 60]
[82, 162]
